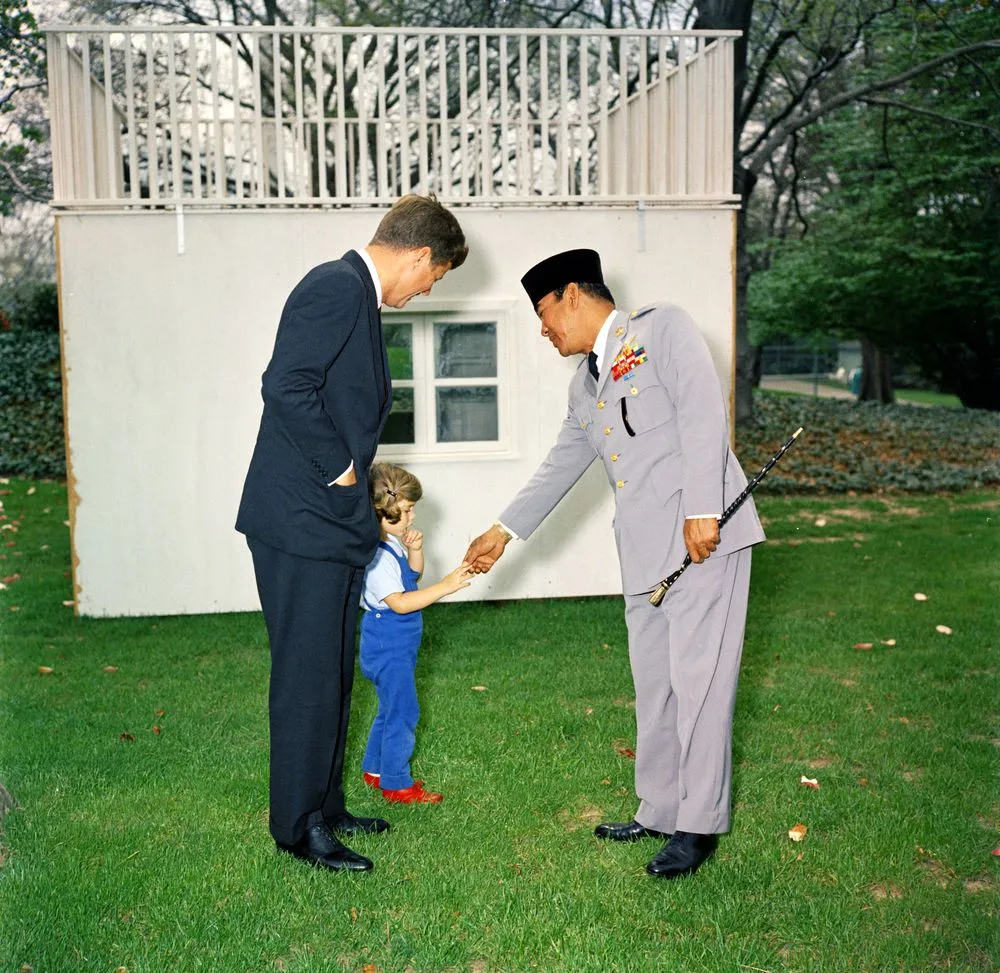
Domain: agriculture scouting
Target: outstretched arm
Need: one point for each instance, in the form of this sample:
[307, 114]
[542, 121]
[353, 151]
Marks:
[404, 602]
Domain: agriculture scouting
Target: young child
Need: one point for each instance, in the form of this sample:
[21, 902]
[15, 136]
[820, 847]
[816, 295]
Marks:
[390, 633]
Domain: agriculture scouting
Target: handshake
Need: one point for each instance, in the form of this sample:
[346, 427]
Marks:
[486, 549]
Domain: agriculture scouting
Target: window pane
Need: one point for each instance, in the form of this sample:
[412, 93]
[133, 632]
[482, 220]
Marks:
[466, 415]
[399, 427]
[465, 350]
[399, 344]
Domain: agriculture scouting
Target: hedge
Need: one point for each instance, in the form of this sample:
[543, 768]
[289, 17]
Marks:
[868, 447]
[31, 411]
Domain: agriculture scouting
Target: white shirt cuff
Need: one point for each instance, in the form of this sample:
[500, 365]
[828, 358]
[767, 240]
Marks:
[503, 526]
[348, 470]
[702, 516]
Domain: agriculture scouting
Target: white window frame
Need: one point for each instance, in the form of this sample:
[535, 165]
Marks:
[423, 315]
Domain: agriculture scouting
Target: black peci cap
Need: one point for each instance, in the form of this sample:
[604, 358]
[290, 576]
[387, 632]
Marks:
[568, 267]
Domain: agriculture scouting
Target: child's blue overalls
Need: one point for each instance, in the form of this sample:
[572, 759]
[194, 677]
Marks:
[389, 644]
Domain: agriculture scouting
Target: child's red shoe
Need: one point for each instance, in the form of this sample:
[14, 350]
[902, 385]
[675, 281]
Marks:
[412, 795]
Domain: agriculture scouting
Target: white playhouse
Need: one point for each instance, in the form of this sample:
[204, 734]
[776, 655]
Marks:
[200, 172]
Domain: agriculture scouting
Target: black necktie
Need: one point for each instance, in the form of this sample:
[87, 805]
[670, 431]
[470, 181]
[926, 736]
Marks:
[592, 365]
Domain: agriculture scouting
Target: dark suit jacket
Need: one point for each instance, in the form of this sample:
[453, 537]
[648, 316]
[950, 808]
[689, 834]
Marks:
[326, 396]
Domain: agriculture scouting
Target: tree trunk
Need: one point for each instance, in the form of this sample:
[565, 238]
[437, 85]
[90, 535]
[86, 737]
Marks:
[747, 361]
[876, 374]
[736, 15]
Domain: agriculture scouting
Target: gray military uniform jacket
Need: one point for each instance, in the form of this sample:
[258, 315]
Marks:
[657, 420]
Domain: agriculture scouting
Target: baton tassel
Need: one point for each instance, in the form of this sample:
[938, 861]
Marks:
[664, 586]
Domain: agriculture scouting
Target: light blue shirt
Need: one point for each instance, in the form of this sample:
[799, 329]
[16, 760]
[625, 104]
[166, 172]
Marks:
[383, 577]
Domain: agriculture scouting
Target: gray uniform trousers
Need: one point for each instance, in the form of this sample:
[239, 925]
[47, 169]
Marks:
[685, 658]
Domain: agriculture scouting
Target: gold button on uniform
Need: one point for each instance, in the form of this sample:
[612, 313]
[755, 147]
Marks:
[607, 430]
[621, 483]
[600, 404]
[634, 390]
[614, 457]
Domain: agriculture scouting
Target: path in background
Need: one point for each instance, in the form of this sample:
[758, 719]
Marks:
[803, 386]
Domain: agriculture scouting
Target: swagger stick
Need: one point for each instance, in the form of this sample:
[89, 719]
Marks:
[657, 596]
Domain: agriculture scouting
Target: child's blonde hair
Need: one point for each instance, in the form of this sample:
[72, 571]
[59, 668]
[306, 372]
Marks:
[389, 484]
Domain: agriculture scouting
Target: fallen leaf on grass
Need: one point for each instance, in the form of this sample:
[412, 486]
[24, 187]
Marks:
[110, 669]
[798, 832]
[369, 968]
[160, 712]
[45, 670]
[809, 782]
[888, 641]
[3, 587]
[31, 490]
[882, 892]
[354, 914]
[995, 853]
[920, 596]
[156, 729]
[69, 603]
[626, 752]
[863, 645]
[11, 578]
[821, 521]
[943, 629]
[607, 783]
[479, 689]
[126, 738]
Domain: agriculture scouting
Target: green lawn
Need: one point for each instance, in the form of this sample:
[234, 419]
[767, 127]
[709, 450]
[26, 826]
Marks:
[141, 843]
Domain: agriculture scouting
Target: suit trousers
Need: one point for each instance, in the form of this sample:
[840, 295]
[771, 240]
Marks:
[311, 612]
[685, 658]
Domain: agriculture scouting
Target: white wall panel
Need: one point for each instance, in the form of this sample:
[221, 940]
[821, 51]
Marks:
[163, 357]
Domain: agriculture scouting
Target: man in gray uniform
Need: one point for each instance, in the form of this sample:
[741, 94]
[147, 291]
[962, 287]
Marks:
[646, 401]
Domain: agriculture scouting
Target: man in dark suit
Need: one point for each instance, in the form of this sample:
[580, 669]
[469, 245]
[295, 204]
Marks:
[307, 515]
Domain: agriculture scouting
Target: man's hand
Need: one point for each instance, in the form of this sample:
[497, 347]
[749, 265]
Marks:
[486, 549]
[701, 537]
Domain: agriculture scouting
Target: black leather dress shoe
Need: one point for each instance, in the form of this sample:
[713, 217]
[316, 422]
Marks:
[683, 854]
[319, 847]
[628, 831]
[347, 823]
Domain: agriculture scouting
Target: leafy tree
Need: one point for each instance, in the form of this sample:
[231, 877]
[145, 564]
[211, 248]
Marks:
[902, 250]
[25, 167]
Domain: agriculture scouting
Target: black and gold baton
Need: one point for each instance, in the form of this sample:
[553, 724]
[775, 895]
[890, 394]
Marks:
[664, 586]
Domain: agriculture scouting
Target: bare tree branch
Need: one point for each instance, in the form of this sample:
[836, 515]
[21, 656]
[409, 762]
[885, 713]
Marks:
[782, 132]
[916, 110]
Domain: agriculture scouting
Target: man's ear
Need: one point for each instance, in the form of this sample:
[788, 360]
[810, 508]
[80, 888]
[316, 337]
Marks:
[573, 293]
[421, 255]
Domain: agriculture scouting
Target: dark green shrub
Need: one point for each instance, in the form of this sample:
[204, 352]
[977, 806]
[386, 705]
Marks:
[31, 414]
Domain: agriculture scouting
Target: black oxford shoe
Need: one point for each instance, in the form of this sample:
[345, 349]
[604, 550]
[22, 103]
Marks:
[318, 847]
[682, 855]
[347, 823]
[628, 831]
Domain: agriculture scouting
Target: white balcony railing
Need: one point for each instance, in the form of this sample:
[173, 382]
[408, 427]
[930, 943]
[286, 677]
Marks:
[158, 117]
